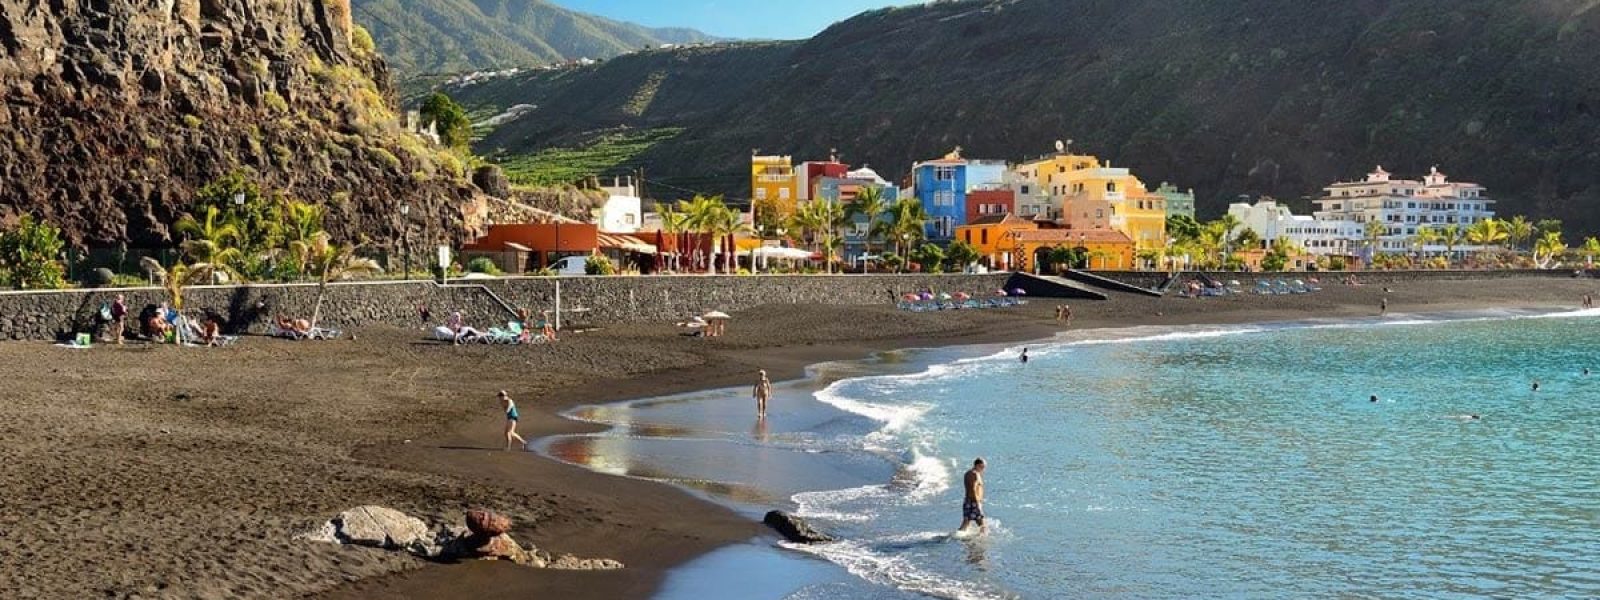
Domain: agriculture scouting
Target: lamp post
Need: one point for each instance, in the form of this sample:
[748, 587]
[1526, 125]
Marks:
[405, 239]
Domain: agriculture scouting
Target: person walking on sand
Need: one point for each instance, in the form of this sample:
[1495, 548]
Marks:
[510, 406]
[1059, 317]
[1383, 306]
[972, 504]
[762, 393]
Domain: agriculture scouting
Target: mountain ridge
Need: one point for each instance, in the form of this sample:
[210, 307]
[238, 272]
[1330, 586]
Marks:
[423, 37]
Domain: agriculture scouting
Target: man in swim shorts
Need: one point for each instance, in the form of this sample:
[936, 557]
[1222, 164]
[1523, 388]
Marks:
[972, 505]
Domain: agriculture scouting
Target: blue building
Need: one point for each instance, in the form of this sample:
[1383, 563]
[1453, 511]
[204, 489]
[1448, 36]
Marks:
[941, 186]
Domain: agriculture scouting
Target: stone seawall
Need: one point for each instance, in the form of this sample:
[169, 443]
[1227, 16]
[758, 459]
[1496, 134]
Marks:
[1150, 280]
[584, 300]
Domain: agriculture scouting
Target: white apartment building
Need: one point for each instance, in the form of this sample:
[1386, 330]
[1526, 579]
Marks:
[622, 212]
[1032, 202]
[1405, 205]
[1322, 237]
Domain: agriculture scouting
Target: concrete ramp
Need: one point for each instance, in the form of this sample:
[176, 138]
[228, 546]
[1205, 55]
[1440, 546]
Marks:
[1104, 283]
[1043, 286]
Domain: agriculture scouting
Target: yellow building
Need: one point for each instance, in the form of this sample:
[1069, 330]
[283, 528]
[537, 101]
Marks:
[774, 186]
[1094, 195]
[990, 236]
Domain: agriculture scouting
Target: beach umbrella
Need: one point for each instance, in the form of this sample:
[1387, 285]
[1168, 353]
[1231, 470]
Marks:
[926, 296]
[963, 296]
[1001, 293]
[716, 315]
[944, 296]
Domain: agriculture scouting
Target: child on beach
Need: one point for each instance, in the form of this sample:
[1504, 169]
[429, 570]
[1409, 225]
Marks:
[510, 407]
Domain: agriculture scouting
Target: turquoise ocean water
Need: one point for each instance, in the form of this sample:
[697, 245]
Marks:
[1237, 462]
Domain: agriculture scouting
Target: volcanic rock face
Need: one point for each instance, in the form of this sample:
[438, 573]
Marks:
[116, 112]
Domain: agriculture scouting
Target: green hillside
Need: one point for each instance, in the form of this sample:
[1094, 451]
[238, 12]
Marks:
[1228, 97]
[421, 37]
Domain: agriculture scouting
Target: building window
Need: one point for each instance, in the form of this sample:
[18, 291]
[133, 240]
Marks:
[983, 237]
[1099, 213]
[1111, 187]
[761, 193]
[628, 218]
[783, 193]
[944, 199]
[1024, 190]
[945, 174]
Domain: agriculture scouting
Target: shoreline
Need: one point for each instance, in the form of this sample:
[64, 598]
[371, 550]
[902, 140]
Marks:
[262, 439]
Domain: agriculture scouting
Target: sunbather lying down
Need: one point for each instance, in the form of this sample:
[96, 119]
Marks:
[457, 335]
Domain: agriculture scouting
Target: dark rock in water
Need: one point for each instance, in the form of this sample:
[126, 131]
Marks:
[488, 523]
[795, 529]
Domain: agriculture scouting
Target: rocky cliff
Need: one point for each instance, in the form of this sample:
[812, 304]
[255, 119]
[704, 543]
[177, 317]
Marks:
[1226, 96]
[116, 112]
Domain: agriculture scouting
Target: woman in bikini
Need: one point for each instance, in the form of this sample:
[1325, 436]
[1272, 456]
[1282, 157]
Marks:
[510, 406]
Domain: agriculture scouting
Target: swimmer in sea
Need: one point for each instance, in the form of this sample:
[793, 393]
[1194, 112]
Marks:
[1536, 385]
[1374, 397]
[1024, 356]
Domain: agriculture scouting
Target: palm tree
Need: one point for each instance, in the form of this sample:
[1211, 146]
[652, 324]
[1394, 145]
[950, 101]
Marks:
[1519, 230]
[213, 241]
[701, 213]
[1548, 248]
[334, 262]
[1374, 230]
[870, 203]
[1451, 236]
[908, 222]
[724, 225]
[1427, 236]
[1487, 232]
[1591, 248]
[673, 223]
[302, 223]
[833, 218]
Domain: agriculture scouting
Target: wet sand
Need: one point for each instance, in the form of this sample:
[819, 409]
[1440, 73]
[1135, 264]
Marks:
[164, 472]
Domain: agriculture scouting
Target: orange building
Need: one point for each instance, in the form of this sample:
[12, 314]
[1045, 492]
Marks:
[989, 235]
[1107, 249]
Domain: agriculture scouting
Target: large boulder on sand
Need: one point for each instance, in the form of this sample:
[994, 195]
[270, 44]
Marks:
[568, 562]
[380, 527]
[487, 522]
[795, 529]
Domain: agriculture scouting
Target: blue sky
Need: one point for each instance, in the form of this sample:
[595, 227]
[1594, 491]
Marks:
[764, 19]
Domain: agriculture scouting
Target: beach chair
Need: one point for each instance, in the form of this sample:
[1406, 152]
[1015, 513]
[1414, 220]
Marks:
[1309, 287]
[1264, 289]
[500, 336]
[1234, 287]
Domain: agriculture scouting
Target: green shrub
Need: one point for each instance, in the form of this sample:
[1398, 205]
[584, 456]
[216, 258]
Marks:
[361, 39]
[599, 265]
[275, 103]
[192, 121]
[386, 157]
[30, 256]
[483, 264]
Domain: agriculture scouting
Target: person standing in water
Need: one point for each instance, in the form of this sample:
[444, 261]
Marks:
[762, 393]
[1383, 306]
[972, 504]
[1024, 356]
[510, 406]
